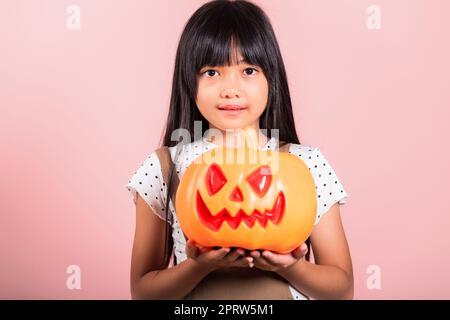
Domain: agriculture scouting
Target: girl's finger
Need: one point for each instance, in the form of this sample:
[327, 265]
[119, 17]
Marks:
[250, 261]
[243, 262]
[300, 252]
[218, 254]
[191, 250]
[262, 263]
[233, 255]
[203, 249]
[304, 247]
[255, 254]
[270, 257]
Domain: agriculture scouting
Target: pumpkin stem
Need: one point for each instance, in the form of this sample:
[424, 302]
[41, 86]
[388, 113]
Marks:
[250, 138]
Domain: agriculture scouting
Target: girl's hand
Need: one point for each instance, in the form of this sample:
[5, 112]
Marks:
[218, 258]
[271, 261]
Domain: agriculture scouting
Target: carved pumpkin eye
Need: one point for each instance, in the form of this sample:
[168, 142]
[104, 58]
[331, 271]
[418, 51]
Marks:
[260, 180]
[215, 179]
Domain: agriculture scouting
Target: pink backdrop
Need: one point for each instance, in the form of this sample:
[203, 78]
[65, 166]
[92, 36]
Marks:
[81, 109]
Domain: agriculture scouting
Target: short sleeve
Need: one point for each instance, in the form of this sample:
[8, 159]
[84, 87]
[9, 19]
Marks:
[329, 189]
[149, 183]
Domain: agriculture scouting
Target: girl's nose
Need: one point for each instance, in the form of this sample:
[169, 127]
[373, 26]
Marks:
[236, 195]
[230, 93]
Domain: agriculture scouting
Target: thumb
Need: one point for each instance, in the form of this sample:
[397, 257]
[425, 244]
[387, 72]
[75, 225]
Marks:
[191, 249]
[300, 252]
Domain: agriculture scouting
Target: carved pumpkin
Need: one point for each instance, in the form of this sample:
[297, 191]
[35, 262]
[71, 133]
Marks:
[265, 204]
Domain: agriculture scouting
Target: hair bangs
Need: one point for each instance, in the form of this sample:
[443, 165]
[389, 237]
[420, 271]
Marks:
[223, 36]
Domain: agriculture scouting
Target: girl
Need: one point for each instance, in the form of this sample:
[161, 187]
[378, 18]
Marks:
[229, 74]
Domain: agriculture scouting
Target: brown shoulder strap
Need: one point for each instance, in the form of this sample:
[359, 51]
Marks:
[168, 168]
[283, 146]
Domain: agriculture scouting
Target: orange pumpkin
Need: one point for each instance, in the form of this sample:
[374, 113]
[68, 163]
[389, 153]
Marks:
[265, 204]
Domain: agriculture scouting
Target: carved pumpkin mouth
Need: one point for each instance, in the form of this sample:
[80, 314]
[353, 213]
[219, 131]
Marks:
[215, 222]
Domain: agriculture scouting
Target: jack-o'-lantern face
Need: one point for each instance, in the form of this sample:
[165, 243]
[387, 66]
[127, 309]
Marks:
[257, 182]
[250, 205]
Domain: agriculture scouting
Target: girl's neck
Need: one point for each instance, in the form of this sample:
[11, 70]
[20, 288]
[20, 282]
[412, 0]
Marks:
[232, 138]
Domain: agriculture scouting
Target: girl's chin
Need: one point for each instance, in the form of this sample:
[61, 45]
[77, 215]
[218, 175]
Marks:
[231, 125]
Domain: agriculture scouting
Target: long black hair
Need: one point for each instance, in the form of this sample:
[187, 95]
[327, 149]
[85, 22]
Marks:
[213, 36]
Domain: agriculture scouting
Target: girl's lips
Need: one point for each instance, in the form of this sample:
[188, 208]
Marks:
[232, 109]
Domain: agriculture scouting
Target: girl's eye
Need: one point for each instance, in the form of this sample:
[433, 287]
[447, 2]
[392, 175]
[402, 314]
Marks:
[251, 69]
[209, 73]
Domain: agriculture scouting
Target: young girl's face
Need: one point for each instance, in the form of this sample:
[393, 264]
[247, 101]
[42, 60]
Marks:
[232, 97]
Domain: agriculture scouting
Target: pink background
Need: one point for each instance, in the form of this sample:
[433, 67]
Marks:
[81, 110]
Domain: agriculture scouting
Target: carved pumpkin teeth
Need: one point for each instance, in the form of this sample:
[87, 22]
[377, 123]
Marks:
[215, 222]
